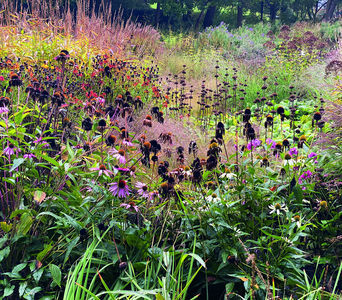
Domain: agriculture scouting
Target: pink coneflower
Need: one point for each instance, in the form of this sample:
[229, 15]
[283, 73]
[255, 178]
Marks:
[127, 142]
[3, 110]
[130, 206]
[102, 170]
[153, 195]
[2, 78]
[120, 156]
[39, 141]
[29, 155]
[142, 189]
[10, 150]
[119, 188]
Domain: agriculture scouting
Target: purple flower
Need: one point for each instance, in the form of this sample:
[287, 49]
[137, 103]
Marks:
[3, 110]
[39, 141]
[119, 188]
[130, 206]
[293, 151]
[254, 143]
[11, 149]
[263, 34]
[119, 155]
[312, 154]
[142, 189]
[271, 142]
[102, 170]
[29, 155]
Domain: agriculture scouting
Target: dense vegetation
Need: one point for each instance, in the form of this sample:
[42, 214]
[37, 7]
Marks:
[138, 165]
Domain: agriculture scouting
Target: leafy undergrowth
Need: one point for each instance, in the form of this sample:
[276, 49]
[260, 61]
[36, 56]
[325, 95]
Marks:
[112, 188]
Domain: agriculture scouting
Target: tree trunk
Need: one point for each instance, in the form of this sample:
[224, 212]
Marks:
[157, 16]
[261, 10]
[199, 19]
[331, 5]
[209, 16]
[273, 12]
[239, 15]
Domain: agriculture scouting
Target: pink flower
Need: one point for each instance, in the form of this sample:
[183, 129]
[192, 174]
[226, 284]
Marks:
[127, 142]
[120, 155]
[29, 155]
[142, 189]
[102, 170]
[119, 188]
[130, 206]
[2, 78]
[3, 110]
[11, 149]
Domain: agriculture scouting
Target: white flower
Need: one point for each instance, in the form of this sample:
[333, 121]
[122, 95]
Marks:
[276, 208]
[213, 198]
[296, 219]
[228, 175]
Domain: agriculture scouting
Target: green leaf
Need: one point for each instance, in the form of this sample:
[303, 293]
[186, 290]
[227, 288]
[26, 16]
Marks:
[4, 253]
[25, 223]
[50, 160]
[8, 291]
[18, 268]
[16, 163]
[19, 116]
[22, 287]
[43, 253]
[38, 274]
[229, 287]
[3, 240]
[30, 293]
[73, 222]
[18, 212]
[71, 245]
[56, 274]
[298, 193]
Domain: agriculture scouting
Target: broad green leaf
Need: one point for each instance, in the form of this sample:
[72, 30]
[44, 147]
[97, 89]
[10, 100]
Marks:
[56, 274]
[3, 240]
[22, 287]
[25, 223]
[298, 192]
[43, 253]
[38, 274]
[8, 291]
[4, 253]
[16, 163]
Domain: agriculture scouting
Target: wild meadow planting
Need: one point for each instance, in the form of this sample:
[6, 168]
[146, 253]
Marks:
[136, 165]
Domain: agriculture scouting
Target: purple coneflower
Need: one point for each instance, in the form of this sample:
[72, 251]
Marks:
[29, 155]
[3, 110]
[119, 188]
[130, 206]
[10, 149]
[39, 141]
[120, 156]
[127, 142]
[102, 170]
[142, 189]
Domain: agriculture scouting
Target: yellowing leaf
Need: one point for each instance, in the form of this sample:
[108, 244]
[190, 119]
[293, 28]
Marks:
[39, 196]
[6, 227]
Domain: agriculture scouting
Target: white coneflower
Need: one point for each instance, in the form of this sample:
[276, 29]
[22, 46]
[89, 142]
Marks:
[277, 208]
[296, 219]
